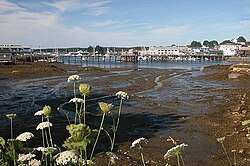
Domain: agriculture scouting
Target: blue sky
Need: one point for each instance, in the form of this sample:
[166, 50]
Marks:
[80, 23]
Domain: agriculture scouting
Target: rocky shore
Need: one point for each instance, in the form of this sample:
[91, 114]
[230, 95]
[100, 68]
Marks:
[196, 115]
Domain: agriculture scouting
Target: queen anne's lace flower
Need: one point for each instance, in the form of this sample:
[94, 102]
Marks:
[34, 162]
[25, 136]
[43, 125]
[39, 113]
[11, 116]
[46, 150]
[76, 100]
[221, 140]
[67, 157]
[105, 107]
[122, 95]
[139, 142]
[74, 78]
[174, 151]
[25, 157]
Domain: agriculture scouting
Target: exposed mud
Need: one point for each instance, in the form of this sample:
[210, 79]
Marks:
[193, 106]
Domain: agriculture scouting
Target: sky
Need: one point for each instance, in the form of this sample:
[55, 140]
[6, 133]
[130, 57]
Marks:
[128, 23]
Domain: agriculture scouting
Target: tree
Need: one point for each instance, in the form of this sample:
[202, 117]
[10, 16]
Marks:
[213, 43]
[90, 49]
[241, 39]
[226, 42]
[206, 43]
[99, 49]
[196, 44]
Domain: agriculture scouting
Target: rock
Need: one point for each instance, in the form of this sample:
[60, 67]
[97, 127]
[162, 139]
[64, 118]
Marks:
[234, 75]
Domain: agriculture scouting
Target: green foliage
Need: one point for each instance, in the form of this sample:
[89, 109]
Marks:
[196, 44]
[241, 39]
[206, 43]
[226, 42]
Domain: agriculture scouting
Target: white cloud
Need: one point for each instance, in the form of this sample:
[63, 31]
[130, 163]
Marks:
[93, 7]
[6, 6]
[105, 23]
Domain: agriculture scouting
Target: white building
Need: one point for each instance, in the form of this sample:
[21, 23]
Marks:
[230, 49]
[168, 50]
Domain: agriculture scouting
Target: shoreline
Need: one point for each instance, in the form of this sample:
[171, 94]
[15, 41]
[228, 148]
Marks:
[147, 115]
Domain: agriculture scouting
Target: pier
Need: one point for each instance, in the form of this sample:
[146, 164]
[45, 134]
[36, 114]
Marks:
[70, 59]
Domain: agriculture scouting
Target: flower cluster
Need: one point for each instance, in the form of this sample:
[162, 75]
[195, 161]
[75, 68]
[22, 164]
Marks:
[105, 107]
[47, 150]
[68, 157]
[122, 95]
[85, 89]
[139, 143]
[246, 123]
[11, 116]
[112, 157]
[39, 113]
[34, 162]
[221, 140]
[74, 78]
[47, 110]
[43, 125]
[175, 151]
[25, 157]
[76, 100]
[25, 136]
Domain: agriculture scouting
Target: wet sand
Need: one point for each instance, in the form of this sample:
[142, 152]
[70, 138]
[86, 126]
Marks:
[191, 106]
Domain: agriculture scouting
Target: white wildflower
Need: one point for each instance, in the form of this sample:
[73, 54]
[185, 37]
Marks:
[45, 150]
[25, 136]
[25, 157]
[43, 125]
[174, 151]
[139, 142]
[122, 95]
[39, 113]
[67, 157]
[112, 157]
[76, 100]
[221, 140]
[74, 78]
[89, 162]
[34, 162]
[11, 116]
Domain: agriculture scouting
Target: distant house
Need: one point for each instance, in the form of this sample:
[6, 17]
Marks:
[8, 52]
[168, 50]
[244, 51]
[230, 49]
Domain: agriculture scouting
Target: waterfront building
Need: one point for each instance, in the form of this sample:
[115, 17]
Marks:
[8, 52]
[230, 49]
[168, 50]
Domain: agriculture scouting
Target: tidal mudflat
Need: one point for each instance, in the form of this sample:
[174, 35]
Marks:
[194, 107]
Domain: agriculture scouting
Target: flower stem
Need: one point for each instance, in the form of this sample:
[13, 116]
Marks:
[11, 129]
[116, 126]
[43, 134]
[76, 114]
[74, 89]
[98, 135]
[226, 154]
[178, 160]
[12, 143]
[142, 158]
[84, 108]
[50, 137]
[182, 160]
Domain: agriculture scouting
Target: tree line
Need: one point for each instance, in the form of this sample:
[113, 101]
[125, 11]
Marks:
[213, 43]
